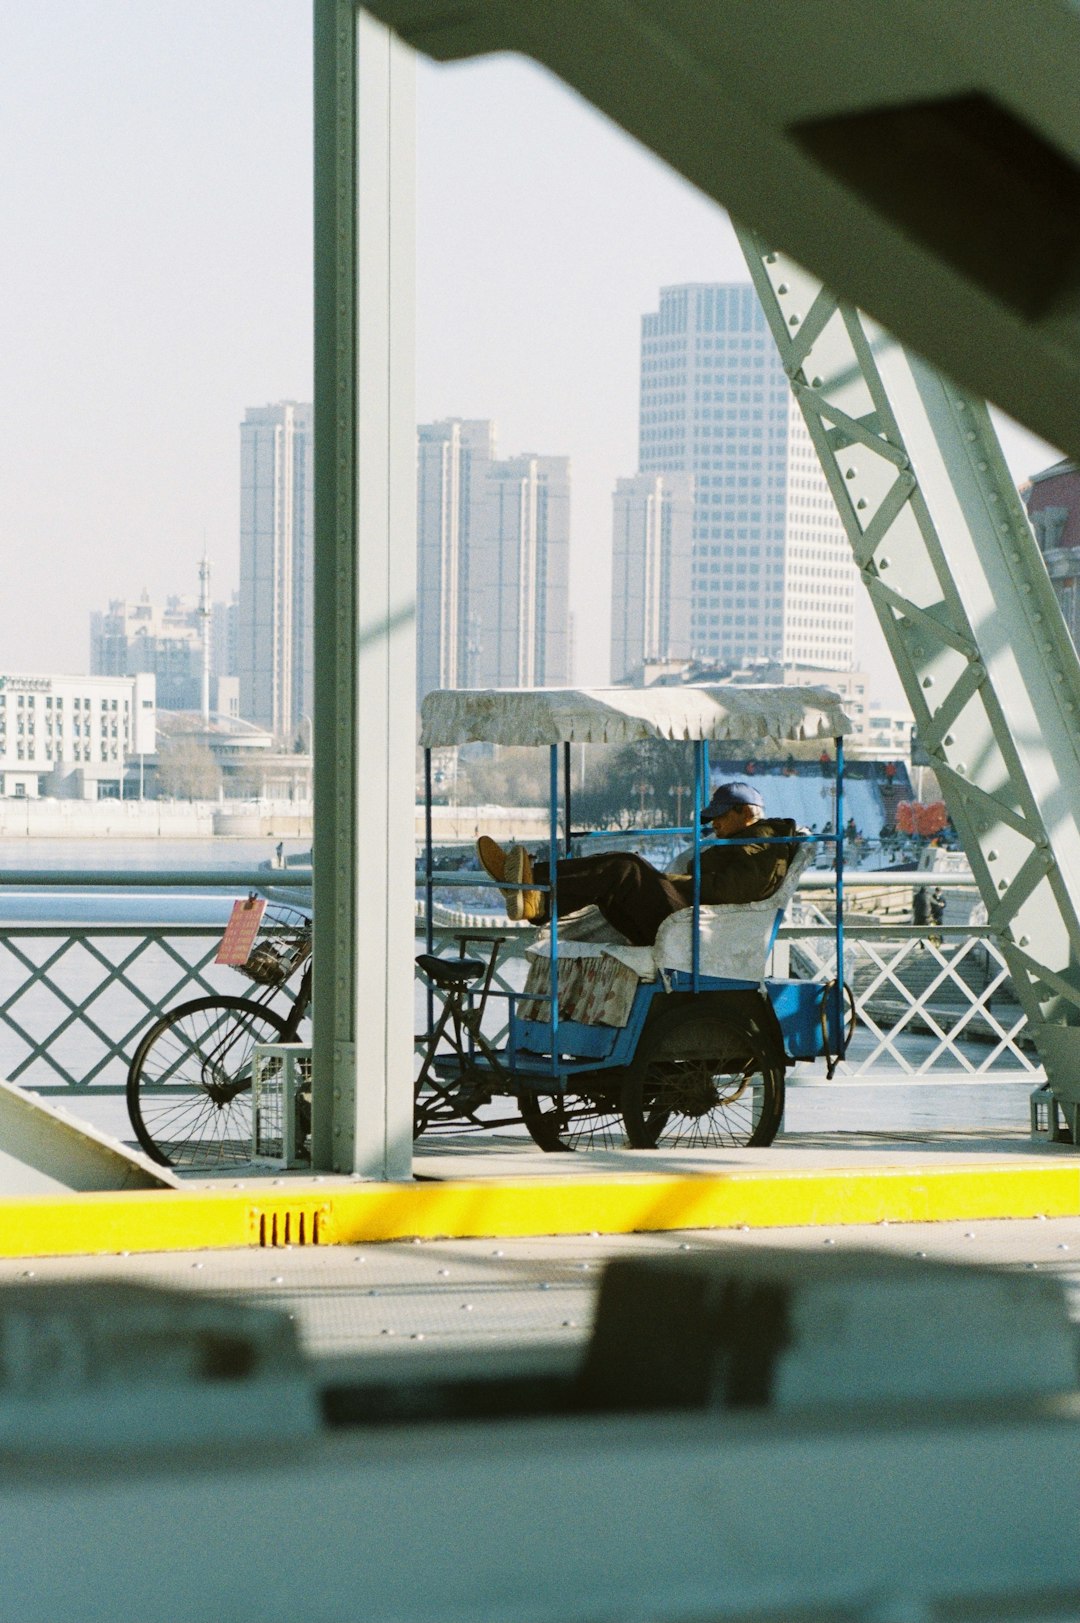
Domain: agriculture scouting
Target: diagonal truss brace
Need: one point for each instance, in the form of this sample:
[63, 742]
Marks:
[945, 550]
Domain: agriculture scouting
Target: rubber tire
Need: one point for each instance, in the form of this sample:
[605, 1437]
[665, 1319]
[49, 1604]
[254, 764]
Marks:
[701, 1035]
[543, 1114]
[203, 1155]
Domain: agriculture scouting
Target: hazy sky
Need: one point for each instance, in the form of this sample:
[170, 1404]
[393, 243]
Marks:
[155, 189]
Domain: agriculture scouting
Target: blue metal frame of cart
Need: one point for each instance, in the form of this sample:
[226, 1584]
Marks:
[545, 1054]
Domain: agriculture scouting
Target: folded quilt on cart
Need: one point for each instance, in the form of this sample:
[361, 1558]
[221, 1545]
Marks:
[597, 981]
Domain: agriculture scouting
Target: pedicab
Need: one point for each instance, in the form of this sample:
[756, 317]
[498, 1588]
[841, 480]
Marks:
[684, 1043]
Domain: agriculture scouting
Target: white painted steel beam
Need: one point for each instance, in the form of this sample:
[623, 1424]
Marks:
[365, 545]
[44, 1150]
[947, 555]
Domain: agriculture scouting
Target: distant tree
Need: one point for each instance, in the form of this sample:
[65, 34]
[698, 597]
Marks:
[187, 770]
[513, 777]
[647, 784]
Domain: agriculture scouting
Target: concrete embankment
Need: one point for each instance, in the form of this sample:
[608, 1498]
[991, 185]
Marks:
[150, 819]
[248, 820]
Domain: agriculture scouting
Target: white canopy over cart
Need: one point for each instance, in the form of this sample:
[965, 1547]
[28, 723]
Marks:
[630, 715]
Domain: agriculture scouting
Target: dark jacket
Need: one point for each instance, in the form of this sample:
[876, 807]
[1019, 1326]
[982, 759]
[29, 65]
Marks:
[745, 873]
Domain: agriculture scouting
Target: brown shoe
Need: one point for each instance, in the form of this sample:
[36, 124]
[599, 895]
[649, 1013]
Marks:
[521, 904]
[492, 857]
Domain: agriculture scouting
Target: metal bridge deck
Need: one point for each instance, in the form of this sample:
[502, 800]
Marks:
[530, 1299]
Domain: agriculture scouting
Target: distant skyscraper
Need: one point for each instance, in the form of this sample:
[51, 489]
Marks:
[453, 459]
[773, 575]
[274, 654]
[223, 632]
[520, 576]
[131, 638]
[651, 570]
[493, 549]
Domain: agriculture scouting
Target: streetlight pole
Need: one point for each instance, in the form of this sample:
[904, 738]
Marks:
[678, 791]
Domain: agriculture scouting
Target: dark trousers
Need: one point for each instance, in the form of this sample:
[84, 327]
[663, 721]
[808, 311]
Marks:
[631, 894]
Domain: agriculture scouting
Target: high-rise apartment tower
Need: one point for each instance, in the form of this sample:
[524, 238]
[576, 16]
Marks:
[773, 575]
[136, 636]
[493, 553]
[651, 571]
[274, 629]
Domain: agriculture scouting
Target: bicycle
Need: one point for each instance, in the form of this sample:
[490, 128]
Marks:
[189, 1082]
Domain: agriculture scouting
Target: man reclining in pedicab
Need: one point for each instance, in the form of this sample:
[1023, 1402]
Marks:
[635, 897]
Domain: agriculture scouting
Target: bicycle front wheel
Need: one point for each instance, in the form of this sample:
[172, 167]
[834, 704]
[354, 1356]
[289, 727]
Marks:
[189, 1084]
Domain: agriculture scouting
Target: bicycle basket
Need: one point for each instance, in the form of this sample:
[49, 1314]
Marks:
[272, 962]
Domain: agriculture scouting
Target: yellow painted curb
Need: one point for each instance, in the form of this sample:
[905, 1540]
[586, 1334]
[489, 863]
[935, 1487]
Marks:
[191, 1220]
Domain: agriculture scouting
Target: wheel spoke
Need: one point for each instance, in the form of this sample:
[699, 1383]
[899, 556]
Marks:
[189, 1086]
[572, 1121]
[703, 1080]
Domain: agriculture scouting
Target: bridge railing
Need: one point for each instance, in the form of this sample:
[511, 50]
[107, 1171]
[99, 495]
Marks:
[75, 998]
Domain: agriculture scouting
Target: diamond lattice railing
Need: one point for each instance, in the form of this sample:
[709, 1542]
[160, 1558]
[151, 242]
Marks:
[938, 984]
[945, 991]
[74, 1001]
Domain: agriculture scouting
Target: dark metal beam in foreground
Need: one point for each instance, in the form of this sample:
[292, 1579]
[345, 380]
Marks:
[923, 159]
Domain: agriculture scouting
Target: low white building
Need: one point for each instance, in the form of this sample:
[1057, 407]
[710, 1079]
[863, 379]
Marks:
[72, 735]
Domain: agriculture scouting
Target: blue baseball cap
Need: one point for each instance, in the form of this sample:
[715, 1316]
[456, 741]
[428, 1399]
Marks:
[726, 796]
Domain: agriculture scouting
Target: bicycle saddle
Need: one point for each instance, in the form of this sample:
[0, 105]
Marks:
[450, 972]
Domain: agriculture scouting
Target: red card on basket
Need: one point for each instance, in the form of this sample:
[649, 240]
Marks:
[241, 930]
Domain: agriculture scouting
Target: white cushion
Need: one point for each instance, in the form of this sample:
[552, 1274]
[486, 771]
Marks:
[734, 937]
[639, 959]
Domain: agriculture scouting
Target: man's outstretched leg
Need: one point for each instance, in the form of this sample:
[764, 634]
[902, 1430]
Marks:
[512, 868]
[632, 895]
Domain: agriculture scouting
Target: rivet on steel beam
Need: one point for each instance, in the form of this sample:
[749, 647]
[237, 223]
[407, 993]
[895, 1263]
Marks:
[793, 321]
[991, 856]
[782, 288]
[948, 739]
[1003, 884]
[928, 681]
[1024, 941]
[849, 473]
[883, 563]
[961, 769]
[861, 503]
[815, 383]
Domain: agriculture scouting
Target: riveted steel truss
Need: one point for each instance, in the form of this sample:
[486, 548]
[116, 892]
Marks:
[945, 550]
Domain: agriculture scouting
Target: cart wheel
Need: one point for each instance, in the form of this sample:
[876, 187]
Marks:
[703, 1077]
[572, 1121]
